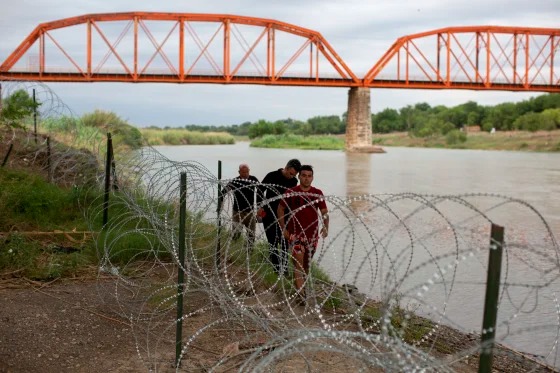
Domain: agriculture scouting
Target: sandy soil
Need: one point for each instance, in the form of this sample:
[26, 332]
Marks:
[74, 326]
[63, 328]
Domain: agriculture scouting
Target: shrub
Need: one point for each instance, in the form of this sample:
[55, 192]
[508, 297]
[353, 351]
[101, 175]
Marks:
[455, 137]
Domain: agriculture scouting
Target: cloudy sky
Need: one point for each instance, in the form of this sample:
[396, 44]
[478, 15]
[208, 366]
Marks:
[360, 32]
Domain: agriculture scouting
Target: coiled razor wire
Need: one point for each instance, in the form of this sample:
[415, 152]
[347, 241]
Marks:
[398, 285]
[76, 163]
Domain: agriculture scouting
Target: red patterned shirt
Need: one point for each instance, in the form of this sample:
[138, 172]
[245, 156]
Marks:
[302, 212]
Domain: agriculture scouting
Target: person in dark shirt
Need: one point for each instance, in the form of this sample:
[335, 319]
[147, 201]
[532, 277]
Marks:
[299, 213]
[245, 197]
[273, 186]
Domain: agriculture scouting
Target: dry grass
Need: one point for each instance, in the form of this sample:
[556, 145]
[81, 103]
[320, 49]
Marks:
[540, 141]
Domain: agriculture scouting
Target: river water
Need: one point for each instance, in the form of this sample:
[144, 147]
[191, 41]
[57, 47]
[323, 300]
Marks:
[529, 316]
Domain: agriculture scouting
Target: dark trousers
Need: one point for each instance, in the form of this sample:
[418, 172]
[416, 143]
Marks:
[278, 246]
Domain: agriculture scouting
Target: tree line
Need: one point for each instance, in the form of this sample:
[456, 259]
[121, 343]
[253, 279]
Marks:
[420, 120]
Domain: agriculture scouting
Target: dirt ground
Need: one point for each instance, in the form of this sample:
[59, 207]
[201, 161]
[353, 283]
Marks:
[63, 328]
[72, 326]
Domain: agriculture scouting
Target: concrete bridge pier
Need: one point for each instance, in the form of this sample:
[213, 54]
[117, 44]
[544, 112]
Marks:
[358, 126]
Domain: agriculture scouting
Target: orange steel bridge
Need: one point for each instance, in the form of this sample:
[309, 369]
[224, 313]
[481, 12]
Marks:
[227, 49]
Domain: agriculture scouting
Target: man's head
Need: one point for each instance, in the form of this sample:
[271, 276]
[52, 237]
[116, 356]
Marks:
[292, 168]
[244, 171]
[306, 176]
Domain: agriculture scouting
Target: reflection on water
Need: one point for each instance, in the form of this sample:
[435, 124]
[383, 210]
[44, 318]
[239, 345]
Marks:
[358, 170]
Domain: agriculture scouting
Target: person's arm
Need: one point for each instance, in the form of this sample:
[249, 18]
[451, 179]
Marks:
[261, 194]
[281, 220]
[222, 195]
[256, 189]
[325, 216]
[229, 186]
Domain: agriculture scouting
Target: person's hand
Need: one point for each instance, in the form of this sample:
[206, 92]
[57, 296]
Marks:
[324, 232]
[260, 214]
[286, 234]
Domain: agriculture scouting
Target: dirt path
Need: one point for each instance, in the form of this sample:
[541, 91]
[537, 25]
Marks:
[63, 328]
[75, 326]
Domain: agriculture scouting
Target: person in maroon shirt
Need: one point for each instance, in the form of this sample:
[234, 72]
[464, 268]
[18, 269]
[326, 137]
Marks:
[299, 213]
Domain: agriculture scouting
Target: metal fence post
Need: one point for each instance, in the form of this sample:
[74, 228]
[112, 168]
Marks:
[34, 116]
[181, 273]
[220, 202]
[491, 301]
[7, 155]
[109, 156]
[49, 171]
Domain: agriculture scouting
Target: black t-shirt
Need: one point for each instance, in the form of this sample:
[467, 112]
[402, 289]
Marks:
[274, 185]
[244, 191]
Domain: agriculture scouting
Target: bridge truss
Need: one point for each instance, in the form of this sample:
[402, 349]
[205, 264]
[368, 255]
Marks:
[227, 49]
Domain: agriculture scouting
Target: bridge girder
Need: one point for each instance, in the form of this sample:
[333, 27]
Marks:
[471, 57]
[223, 55]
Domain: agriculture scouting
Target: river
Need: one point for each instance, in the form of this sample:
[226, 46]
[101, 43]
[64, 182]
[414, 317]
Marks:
[529, 318]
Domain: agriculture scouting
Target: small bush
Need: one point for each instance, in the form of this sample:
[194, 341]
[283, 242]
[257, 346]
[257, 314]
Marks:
[455, 137]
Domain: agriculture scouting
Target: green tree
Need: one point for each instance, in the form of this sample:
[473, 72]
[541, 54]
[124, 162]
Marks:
[473, 119]
[388, 120]
[16, 108]
[422, 106]
[551, 118]
[500, 117]
[528, 122]
[259, 129]
[278, 127]
[543, 102]
[326, 124]
[548, 120]
[456, 115]
[408, 117]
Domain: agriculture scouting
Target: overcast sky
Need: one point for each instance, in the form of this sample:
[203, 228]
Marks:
[360, 31]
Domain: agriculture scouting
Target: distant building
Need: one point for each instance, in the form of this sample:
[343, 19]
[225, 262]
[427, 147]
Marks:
[472, 128]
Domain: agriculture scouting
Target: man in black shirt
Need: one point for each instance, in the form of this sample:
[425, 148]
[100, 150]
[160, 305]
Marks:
[245, 189]
[273, 186]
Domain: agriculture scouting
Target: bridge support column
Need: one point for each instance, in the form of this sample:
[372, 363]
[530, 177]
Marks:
[358, 125]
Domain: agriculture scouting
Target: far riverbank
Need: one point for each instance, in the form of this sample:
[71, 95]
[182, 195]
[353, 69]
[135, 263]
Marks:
[540, 141]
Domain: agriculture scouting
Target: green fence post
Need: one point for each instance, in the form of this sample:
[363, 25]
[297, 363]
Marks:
[220, 202]
[115, 183]
[7, 154]
[181, 273]
[109, 156]
[34, 116]
[49, 171]
[491, 301]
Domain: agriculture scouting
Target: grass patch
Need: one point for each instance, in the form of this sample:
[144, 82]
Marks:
[38, 260]
[290, 141]
[179, 136]
[28, 202]
[540, 141]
